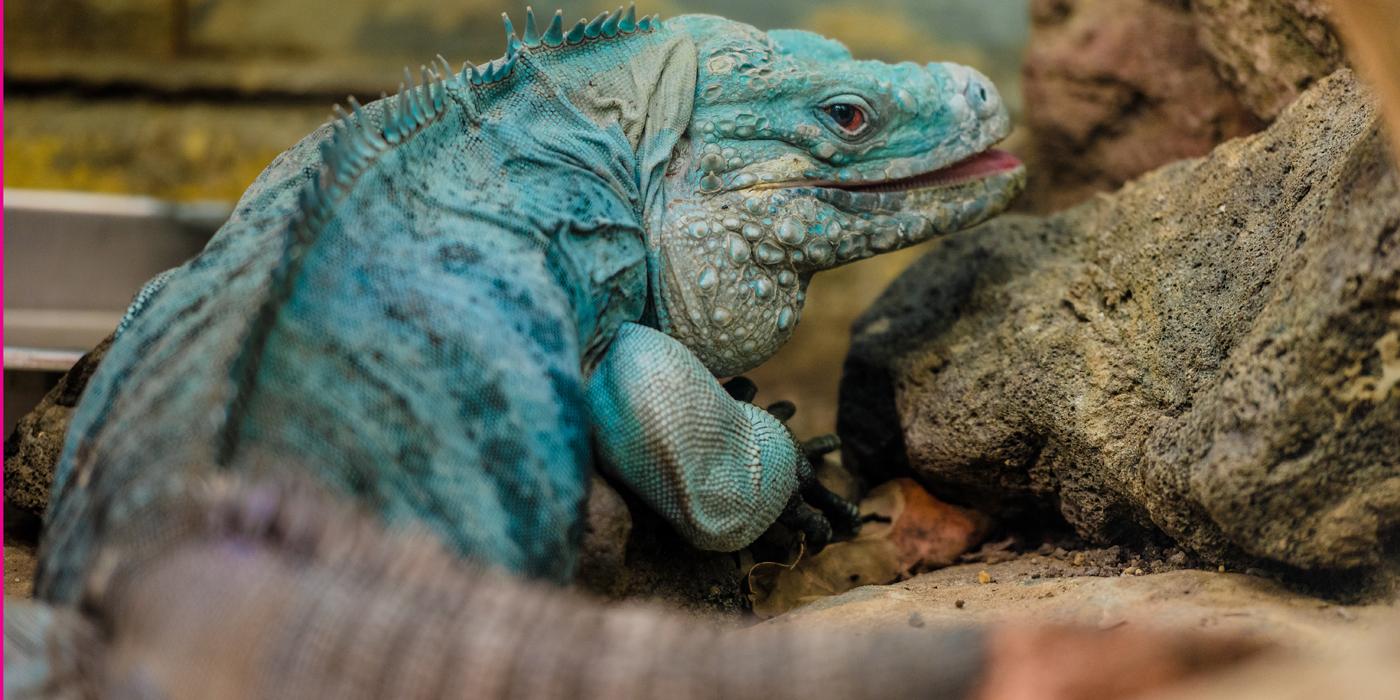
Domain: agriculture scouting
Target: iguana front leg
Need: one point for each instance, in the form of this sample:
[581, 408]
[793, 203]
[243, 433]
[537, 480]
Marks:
[720, 470]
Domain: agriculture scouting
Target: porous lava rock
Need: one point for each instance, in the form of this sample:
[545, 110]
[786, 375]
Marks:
[33, 447]
[1115, 88]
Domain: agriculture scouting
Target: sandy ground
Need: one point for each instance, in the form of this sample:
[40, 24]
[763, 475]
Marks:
[19, 569]
[1042, 588]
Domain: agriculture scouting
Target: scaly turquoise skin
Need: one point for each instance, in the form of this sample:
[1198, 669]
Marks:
[435, 306]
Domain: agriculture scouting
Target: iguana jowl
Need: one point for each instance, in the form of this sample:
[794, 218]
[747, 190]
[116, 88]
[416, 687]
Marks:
[432, 308]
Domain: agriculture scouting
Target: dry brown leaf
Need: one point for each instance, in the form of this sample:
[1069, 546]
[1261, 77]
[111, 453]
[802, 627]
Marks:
[910, 531]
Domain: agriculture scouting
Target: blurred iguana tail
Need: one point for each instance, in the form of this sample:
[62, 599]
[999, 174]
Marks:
[49, 652]
[274, 590]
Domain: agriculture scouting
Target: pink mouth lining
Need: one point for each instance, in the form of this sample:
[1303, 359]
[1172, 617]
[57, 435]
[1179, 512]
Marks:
[984, 164]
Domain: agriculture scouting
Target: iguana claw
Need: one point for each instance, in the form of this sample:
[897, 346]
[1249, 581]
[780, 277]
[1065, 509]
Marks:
[843, 514]
[814, 526]
[820, 446]
[782, 410]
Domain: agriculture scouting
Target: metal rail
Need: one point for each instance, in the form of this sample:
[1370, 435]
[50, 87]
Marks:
[73, 261]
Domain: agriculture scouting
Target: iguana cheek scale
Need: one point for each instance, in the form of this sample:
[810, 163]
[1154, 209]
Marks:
[434, 307]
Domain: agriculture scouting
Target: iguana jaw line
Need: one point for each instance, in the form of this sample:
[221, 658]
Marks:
[983, 165]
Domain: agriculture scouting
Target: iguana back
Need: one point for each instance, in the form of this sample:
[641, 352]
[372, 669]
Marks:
[405, 323]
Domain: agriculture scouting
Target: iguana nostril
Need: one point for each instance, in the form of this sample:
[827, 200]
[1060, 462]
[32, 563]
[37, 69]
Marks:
[982, 100]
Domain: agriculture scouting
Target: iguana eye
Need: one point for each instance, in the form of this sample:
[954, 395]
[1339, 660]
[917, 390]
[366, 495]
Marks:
[849, 116]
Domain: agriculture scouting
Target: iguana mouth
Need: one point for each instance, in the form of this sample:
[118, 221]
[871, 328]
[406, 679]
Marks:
[985, 164]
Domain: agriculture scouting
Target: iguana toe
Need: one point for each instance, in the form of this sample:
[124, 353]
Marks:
[815, 528]
[782, 410]
[741, 389]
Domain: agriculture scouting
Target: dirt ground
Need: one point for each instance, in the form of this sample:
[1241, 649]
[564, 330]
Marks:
[20, 561]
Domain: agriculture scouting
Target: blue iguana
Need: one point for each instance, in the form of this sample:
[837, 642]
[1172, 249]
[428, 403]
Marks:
[394, 366]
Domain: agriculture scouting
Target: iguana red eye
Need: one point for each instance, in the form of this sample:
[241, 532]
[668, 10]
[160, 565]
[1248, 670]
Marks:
[849, 117]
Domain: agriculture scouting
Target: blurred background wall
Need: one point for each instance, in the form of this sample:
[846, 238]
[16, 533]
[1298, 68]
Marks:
[189, 99]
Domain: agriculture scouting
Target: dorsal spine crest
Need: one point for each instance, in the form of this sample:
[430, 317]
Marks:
[355, 142]
[607, 25]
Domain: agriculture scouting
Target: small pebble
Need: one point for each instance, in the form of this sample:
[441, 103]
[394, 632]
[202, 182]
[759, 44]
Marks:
[1221, 568]
[959, 603]
[916, 620]
[984, 577]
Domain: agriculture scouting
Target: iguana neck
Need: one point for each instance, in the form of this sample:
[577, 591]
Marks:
[617, 71]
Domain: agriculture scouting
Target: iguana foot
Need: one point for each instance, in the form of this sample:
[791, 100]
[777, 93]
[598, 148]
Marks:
[815, 510]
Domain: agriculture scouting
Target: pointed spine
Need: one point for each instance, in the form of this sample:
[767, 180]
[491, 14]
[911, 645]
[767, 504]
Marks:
[390, 130]
[595, 27]
[554, 35]
[432, 85]
[578, 33]
[628, 24]
[512, 41]
[447, 72]
[609, 27]
[369, 135]
[408, 102]
[348, 152]
[532, 35]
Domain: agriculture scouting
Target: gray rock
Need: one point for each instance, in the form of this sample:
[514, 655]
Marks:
[1211, 354]
[1115, 88]
[33, 447]
[1269, 51]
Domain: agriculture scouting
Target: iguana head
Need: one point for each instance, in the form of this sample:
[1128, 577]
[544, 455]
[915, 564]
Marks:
[799, 158]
